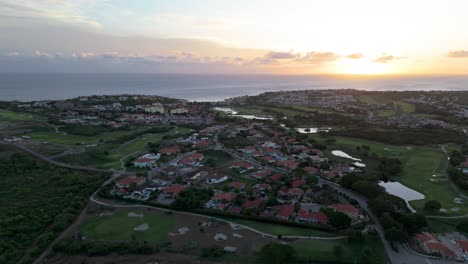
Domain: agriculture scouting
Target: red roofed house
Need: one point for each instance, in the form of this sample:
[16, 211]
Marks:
[253, 203]
[289, 164]
[269, 159]
[235, 210]
[311, 170]
[236, 185]
[313, 218]
[284, 211]
[276, 177]
[174, 190]
[170, 150]
[347, 209]
[242, 166]
[257, 154]
[203, 144]
[261, 174]
[297, 183]
[196, 156]
[286, 193]
[215, 178]
[249, 149]
[463, 245]
[430, 244]
[129, 180]
[224, 197]
[143, 162]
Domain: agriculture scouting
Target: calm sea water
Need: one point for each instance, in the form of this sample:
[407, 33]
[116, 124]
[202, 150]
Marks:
[27, 86]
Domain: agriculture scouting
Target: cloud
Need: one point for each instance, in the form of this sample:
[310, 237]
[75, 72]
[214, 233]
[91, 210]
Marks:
[355, 56]
[62, 12]
[279, 55]
[318, 57]
[458, 54]
[385, 58]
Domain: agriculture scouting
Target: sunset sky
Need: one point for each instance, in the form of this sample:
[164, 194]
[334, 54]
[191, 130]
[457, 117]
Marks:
[235, 37]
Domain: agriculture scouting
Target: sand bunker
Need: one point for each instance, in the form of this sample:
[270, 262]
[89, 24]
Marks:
[220, 237]
[230, 249]
[132, 214]
[236, 227]
[142, 227]
[237, 235]
[181, 231]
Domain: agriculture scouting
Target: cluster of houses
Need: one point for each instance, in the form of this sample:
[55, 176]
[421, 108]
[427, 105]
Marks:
[275, 148]
[430, 244]
[463, 167]
[118, 111]
[277, 187]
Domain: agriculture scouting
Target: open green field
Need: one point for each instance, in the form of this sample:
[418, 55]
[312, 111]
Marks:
[386, 113]
[420, 163]
[277, 229]
[120, 226]
[6, 115]
[443, 225]
[112, 153]
[349, 252]
[406, 107]
[70, 139]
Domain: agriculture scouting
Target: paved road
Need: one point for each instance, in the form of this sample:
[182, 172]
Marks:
[403, 256]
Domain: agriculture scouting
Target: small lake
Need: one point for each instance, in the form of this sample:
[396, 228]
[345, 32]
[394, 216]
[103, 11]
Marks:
[405, 193]
[232, 112]
[311, 130]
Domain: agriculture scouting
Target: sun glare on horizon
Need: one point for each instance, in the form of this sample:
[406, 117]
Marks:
[363, 67]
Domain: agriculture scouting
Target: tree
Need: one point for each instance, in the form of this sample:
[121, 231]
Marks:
[463, 226]
[368, 189]
[456, 157]
[395, 234]
[413, 222]
[432, 206]
[339, 220]
[311, 180]
[349, 179]
[275, 253]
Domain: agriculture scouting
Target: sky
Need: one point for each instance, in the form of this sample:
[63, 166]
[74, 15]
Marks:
[368, 37]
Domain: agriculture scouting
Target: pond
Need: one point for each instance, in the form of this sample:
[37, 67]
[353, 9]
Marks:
[312, 130]
[405, 193]
[232, 112]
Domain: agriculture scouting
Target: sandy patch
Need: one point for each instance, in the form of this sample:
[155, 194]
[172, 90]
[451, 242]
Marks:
[142, 227]
[237, 235]
[181, 231]
[220, 237]
[230, 249]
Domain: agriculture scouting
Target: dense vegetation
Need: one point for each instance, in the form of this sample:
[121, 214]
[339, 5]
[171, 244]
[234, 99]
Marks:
[38, 202]
[73, 246]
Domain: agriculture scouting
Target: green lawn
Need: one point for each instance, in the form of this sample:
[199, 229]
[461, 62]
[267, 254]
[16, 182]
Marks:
[406, 107]
[368, 99]
[6, 115]
[70, 139]
[386, 113]
[420, 163]
[351, 252]
[277, 229]
[443, 225]
[120, 226]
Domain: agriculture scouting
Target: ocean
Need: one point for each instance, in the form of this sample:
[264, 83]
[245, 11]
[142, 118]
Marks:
[40, 86]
